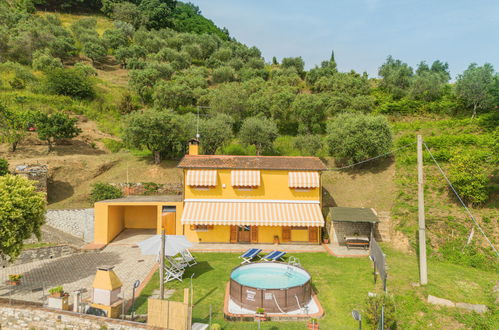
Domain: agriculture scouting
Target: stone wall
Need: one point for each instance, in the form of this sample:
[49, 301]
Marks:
[41, 253]
[144, 188]
[77, 222]
[35, 172]
[32, 317]
[342, 229]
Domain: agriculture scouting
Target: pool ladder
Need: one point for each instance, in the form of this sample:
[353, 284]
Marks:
[294, 261]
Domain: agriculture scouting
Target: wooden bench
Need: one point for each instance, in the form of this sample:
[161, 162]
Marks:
[357, 242]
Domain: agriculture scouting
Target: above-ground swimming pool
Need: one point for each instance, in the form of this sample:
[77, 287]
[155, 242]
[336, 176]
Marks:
[277, 287]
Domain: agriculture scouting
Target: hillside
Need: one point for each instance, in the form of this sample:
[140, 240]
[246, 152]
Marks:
[191, 74]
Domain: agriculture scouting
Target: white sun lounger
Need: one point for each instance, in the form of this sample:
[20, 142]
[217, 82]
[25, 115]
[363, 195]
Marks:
[171, 273]
[186, 258]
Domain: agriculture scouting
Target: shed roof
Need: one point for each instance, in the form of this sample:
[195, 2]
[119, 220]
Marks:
[353, 214]
[253, 162]
[142, 199]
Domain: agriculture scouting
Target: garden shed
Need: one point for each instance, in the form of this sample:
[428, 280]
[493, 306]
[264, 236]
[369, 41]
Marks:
[351, 223]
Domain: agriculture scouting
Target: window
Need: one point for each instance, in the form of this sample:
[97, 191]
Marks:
[299, 228]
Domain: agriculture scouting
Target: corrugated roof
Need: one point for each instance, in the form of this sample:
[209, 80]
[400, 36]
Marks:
[353, 214]
[142, 199]
[252, 162]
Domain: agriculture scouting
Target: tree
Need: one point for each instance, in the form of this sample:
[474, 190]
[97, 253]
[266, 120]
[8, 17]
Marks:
[157, 131]
[22, 213]
[309, 110]
[356, 137]
[13, 127]
[54, 127]
[115, 38]
[45, 62]
[69, 82]
[157, 14]
[475, 87]
[294, 62]
[4, 167]
[223, 74]
[215, 133]
[469, 178]
[260, 132]
[126, 12]
[95, 50]
[309, 145]
[396, 77]
[102, 191]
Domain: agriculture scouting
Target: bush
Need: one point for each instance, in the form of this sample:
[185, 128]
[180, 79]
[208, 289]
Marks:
[373, 311]
[4, 167]
[356, 137]
[69, 82]
[44, 62]
[469, 178]
[112, 145]
[309, 145]
[223, 74]
[102, 191]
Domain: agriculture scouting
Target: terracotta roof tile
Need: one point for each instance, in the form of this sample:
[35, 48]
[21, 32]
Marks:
[252, 162]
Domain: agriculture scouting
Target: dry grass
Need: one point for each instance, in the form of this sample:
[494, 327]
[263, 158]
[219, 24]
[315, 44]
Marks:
[103, 23]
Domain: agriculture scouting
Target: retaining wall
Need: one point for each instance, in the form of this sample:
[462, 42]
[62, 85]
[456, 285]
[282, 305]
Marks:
[77, 222]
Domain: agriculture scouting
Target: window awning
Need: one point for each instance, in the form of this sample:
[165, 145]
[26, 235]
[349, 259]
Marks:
[245, 178]
[201, 178]
[304, 179]
[253, 212]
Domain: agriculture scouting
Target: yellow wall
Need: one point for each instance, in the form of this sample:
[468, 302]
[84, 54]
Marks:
[219, 234]
[266, 234]
[299, 235]
[115, 221]
[273, 185]
[143, 217]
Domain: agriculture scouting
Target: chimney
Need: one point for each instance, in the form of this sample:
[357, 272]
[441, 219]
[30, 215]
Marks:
[193, 147]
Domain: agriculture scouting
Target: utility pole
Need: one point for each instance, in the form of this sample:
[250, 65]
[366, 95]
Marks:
[423, 271]
[162, 267]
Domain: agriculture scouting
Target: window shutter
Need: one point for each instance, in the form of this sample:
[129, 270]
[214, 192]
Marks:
[312, 234]
[286, 234]
[254, 234]
[233, 234]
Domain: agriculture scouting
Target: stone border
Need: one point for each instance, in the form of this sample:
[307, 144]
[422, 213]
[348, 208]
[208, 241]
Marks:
[275, 317]
[328, 250]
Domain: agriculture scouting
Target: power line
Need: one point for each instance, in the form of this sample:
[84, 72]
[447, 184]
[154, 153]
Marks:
[460, 200]
[369, 159]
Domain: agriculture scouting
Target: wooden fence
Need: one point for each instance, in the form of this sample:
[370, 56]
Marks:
[167, 314]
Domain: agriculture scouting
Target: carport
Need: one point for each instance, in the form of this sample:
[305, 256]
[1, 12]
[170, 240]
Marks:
[137, 212]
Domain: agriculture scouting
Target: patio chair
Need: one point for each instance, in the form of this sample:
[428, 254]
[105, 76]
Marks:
[176, 264]
[187, 258]
[249, 255]
[171, 273]
[274, 256]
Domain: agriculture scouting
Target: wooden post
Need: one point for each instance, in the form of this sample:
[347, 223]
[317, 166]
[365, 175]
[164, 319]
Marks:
[162, 266]
[423, 271]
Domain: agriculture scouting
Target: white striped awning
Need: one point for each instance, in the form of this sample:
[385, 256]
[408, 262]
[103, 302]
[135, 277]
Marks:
[245, 178]
[251, 212]
[306, 179]
[201, 178]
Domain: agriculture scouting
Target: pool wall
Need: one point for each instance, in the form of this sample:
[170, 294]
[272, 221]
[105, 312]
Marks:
[252, 298]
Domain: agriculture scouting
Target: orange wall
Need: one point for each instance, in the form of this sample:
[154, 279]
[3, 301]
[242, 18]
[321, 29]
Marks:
[273, 185]
[143, 217]
[115, 221]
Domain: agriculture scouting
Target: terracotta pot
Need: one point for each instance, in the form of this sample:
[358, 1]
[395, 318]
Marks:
[18, 282]
[261, 317]
[57, 294]
[276, 240]
[325, 240]
[313, 326]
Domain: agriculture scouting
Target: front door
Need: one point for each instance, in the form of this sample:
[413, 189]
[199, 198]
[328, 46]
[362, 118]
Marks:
[243, 234]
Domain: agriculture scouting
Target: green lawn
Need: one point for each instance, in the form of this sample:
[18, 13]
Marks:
[342, 285]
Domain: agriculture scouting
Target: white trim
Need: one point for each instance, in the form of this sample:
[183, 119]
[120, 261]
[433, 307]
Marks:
[252, 201]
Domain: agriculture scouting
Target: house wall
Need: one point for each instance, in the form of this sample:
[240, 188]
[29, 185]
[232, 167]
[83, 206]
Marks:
[266, 234]
[141, 216]
[115, 221]
[219, 234]
[273, 185]
[299, 235]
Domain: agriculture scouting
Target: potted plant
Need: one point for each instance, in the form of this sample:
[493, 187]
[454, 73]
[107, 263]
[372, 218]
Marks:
[15, 279]
[57, 292]
[325, 236]
[276, 239]
[313, 324]
[260, 314]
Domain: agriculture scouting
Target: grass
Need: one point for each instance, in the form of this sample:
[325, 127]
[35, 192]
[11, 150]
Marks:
[342, 284]
[37, 245]
[103, 23]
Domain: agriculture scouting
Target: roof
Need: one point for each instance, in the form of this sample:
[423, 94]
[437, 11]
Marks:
[143, 199]
[353, 214]
[252, 162]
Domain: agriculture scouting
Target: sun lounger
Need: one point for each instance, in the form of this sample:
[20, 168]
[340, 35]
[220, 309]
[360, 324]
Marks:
[176, 264]
[171, 273]
[274, 256]
[248, 255]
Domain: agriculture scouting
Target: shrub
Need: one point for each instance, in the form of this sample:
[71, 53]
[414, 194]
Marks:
[85, 69]
[102, 191]
[373, 310]
[112, 145]
[223, 74]
[309, 145]
[356, 137]
[45, 62]
[4, 167]
[259, 132]
[235, 149]
[469, 178]
[69, 82]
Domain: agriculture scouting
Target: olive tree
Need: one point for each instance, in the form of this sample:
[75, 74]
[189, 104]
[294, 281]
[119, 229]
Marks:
[355, 137]
[216, 132]
[260, 132]
[22, 213]
[54, 127]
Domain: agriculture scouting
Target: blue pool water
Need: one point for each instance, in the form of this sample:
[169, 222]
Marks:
[270, 276]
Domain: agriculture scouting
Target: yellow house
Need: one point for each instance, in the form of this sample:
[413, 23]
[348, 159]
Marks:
[228, 199]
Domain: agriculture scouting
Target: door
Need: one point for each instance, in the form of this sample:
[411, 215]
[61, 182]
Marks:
[168, 220]
[313, 234]
[286, 234]
[243, 234]
[233, 234]
[254, 234]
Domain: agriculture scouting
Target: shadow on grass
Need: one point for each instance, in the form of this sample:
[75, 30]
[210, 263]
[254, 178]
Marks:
[198, 270]
[207, 294]
[375, 166]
